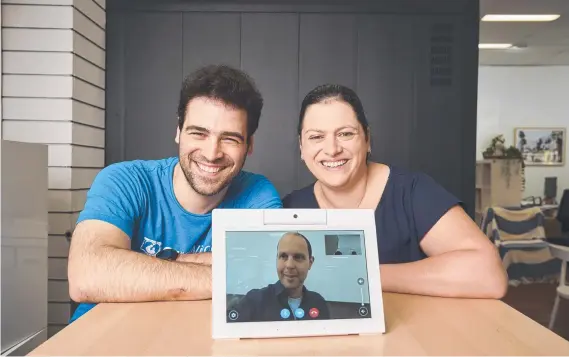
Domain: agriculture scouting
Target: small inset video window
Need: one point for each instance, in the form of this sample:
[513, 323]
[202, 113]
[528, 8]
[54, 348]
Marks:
[343, 244]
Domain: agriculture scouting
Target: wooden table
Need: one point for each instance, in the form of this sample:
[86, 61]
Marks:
[416, 325]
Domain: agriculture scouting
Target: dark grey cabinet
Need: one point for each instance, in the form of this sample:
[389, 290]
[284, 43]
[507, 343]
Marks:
[414, 66]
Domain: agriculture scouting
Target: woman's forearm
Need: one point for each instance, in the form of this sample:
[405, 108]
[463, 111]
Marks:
[463, 273]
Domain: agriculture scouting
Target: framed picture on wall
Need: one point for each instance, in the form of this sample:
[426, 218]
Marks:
[541, 146]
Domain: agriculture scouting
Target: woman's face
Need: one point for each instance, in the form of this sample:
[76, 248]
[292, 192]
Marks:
[333, 143]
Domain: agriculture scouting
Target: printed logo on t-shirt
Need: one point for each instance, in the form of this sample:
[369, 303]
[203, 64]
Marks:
[150, 247]
[200, 248]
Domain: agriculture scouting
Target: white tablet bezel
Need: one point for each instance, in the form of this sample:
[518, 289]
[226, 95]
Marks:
[293, 219]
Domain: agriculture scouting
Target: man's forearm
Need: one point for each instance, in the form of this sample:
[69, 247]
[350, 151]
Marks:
[196, 258]
[121, 275]
[437, 276]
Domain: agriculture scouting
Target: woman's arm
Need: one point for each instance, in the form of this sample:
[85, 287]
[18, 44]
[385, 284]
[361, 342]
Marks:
[461, 262]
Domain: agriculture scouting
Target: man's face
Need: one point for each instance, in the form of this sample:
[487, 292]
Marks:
[293, 262]
[212, 145]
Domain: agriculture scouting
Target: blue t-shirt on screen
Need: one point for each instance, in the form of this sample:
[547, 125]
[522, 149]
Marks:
[138, 197]
[410, 205]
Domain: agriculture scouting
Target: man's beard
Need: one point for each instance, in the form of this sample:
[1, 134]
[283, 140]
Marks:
[203, 185]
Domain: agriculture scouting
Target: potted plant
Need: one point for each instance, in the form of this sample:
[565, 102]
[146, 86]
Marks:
[497, 150]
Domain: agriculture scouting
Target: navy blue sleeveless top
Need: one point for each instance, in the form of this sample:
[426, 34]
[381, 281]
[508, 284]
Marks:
[410, 206]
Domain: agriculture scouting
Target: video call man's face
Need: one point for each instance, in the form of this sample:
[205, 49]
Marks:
[293, 262]
[212, 145]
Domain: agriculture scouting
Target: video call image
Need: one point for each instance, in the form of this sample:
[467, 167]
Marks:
[296, 275]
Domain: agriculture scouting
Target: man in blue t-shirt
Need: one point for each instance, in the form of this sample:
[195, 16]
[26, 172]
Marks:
[145, 231]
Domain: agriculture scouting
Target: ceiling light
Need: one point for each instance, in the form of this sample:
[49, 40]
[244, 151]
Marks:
[494, 46]
[498, 17]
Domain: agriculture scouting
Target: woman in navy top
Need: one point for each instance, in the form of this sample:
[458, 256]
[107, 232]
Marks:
[427, 244]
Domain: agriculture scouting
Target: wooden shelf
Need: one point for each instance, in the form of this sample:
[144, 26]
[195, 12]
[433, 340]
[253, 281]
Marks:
[498, 183]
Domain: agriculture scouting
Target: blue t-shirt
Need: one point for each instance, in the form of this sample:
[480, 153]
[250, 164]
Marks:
[410, 206]
[138, 197]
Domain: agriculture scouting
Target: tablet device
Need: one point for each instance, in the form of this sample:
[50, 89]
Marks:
[295, 272]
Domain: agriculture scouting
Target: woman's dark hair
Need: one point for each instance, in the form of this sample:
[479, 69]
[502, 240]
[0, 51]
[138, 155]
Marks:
[334, 91]
[229, 85]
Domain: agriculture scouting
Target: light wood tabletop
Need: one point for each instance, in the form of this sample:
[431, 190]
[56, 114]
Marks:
[416, 325]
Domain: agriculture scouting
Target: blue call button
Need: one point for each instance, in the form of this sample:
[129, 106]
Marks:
[299, 313]
[285, 313]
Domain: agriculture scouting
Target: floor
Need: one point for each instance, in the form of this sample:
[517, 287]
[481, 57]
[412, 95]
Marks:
[536, 302]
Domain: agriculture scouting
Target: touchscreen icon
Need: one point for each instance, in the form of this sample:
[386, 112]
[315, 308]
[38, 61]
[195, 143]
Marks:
[363, 311]
[314, 312]
[233, 315]
[299, 313]
[285, 313]
[361, 281]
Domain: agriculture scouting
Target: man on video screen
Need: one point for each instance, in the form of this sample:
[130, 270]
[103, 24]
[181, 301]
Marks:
[288, 298]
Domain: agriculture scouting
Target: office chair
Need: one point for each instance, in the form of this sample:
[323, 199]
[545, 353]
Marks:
[563, 212]
[519, 235]
[550, 191]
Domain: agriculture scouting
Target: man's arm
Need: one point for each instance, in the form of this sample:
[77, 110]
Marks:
[461, 262]
[102, 268]
[195, 258]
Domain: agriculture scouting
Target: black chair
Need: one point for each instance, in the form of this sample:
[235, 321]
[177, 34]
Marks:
[563, 219]
[563, 212]
[550, 190]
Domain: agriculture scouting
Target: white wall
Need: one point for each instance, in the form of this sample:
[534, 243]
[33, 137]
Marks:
[53, 76]
[510, 97]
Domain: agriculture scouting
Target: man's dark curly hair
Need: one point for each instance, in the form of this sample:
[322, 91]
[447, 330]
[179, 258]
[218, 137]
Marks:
[224, 83]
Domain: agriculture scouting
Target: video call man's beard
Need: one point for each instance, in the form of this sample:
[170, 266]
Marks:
[203, 185]
[292, 283]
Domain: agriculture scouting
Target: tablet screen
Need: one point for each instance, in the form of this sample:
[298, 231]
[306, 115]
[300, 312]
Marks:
[296, 275]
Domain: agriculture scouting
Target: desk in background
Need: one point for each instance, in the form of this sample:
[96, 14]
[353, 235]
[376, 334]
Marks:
[416, 325]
